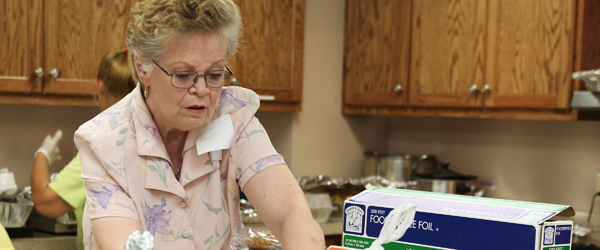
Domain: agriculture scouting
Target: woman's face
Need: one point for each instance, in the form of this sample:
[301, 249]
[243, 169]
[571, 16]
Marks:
[185, 109]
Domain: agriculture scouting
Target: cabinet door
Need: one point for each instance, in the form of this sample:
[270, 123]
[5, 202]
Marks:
[271, 59]
[530, 53]
[377, 44]
[77, 35]
[448, 53]
[21, 45]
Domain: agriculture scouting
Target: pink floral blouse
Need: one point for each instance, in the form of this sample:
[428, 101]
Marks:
[127, 173]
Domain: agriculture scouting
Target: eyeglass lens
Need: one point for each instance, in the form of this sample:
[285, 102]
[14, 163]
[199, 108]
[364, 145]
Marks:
[186, 79]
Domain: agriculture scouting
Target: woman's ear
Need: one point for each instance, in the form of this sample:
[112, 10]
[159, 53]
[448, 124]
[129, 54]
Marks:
[99, 87]
[142, 74]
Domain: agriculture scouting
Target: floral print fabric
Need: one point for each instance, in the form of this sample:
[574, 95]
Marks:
[127, 173]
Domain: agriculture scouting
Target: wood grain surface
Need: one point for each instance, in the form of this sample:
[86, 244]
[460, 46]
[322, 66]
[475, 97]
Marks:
[271, 59]
[521, 114]
[448, 53]
[530, 53]
[21, 45]
[377, 44]
[77, 35]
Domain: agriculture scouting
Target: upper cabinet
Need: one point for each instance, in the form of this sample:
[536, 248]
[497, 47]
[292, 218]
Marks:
[376, 64]
[467, 58]
[51, 49]
[271, 58]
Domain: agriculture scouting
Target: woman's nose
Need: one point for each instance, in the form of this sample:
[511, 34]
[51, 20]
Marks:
[200, 87]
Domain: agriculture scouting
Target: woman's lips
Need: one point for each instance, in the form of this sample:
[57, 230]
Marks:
[196, 109]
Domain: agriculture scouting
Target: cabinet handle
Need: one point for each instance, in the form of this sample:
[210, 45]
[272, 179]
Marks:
[39, 72]
[235, 81]
[474, 88]
[486, 89]
[54, 73]
[398, 88]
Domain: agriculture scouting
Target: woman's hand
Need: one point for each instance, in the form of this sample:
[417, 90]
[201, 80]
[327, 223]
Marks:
[281, 204]
[50, 148]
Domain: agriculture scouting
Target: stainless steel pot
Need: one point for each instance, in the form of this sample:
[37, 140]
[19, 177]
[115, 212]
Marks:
[446, 181]
[399, 167]
[395, 167]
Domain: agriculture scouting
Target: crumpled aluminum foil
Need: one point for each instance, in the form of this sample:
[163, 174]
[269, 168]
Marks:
[140, 241]
[324, 183]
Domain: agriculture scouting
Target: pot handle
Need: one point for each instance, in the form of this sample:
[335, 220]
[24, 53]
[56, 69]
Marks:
[464, 190]
[370, 154]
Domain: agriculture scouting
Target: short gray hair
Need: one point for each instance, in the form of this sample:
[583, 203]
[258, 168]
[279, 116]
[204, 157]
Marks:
[155, 25]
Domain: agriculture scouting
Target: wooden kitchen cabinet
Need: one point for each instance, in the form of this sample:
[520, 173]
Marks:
[473, 58]
[376, 63]
[51, 49]
[519, 51]
[271, 58]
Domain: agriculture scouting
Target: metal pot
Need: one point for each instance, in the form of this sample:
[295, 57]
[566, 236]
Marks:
[395, 167]
[399, 167]
[446, 181]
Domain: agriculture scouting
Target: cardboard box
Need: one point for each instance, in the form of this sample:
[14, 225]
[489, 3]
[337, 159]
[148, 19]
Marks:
[445, 221]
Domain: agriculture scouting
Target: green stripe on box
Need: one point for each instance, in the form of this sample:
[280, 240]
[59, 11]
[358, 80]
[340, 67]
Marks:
[471, 199]
[362, 243]
[557, 248]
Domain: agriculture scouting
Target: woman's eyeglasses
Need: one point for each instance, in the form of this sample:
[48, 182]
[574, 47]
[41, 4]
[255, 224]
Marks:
[187, 79]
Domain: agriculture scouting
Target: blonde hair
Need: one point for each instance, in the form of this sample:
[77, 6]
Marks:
[155, 25]
[117, 77]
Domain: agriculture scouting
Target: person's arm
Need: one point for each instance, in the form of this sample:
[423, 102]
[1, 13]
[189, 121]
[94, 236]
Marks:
[281, 204]
[113, 232]
[47, 203]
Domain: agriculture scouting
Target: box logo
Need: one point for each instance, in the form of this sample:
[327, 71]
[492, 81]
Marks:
[354, 219]
[549, 235]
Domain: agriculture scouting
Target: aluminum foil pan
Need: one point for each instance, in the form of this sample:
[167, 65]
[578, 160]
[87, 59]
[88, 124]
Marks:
[322, 183]
[14, 215]
[590, 77]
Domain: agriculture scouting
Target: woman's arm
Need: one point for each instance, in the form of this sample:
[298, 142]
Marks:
[113, 232]
[281, 204]
[47, 203]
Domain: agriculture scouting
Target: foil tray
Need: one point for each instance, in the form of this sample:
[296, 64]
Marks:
[14, 215]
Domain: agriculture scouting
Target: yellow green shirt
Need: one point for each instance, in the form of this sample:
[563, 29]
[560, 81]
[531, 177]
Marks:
[69, 186]
[5, 243]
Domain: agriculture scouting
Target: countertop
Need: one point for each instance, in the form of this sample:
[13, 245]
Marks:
[52, 242]
[45, 241]
[329, 228]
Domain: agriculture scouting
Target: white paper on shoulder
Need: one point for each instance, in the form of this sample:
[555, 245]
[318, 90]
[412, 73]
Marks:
[216, 136]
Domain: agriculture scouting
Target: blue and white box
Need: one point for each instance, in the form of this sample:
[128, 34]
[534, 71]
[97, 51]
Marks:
[446, 221]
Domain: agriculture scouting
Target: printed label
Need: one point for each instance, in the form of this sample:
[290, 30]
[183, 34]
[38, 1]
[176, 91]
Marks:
[563, 234]
[354, 217]
[362, 243]
[557, 248]
[549, 235]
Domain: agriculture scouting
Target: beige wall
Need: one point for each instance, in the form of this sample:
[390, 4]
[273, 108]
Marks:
[554, 162]
[22, 131]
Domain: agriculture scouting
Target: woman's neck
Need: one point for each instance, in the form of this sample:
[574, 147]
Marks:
[174, 141]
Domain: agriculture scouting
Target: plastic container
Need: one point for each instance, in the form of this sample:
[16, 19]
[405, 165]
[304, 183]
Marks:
[320, 206]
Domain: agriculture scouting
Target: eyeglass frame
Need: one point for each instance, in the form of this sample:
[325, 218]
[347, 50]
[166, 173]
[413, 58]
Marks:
[196, 78]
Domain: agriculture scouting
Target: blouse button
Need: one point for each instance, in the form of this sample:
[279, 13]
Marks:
[185, 234]
[183, 204]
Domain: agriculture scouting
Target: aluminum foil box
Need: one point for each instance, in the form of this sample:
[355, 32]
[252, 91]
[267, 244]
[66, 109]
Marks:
[445, 221]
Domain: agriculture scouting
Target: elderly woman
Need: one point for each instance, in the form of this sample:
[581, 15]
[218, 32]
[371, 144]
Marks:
[171, 156]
